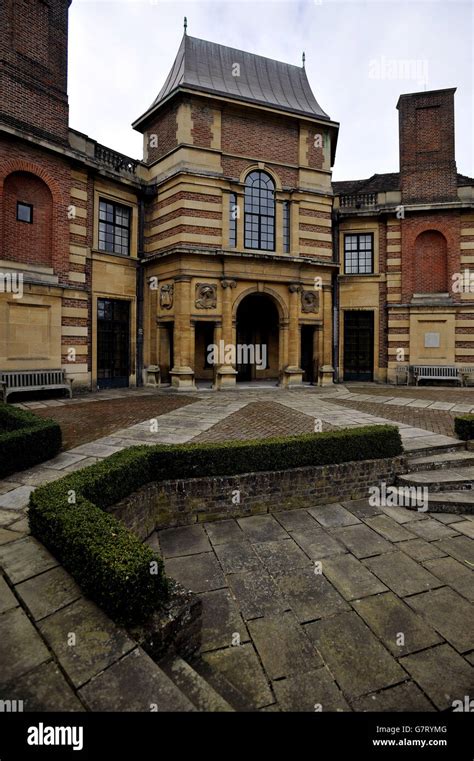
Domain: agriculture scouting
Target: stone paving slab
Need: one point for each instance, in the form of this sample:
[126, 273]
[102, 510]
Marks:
[296, 520]
[262, 528]
[459, 547]
[449, 613]
[351, 578]
[420, 550]
[310, 691]
[441, 673]
[404, 698]
[200, 573]
[187, 540]
[318, 544]
[333, 515]
[97, 642]
[401, 573]
[256, 594]
[356, 658]
[134, 683]
[224, 531]
[7, 598]
[16, 499]
[283, 647]
[389, 617]
[454, 573]
[310, 595]
[45, 689]
[221, 621]
[388, 528]
[48, 592]
[7, 535]
[240, 665]
[20, 647]
[284, 555]
[236, 557]
[431, 529]
[25, 558]
[361, 540]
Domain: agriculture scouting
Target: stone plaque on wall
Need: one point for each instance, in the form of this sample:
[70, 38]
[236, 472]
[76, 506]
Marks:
[432, 341]
[206, 296]
[309, 301]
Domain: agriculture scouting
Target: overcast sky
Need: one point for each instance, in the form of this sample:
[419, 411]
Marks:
[360, 56]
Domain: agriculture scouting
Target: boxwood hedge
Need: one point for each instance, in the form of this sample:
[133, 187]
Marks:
[109, 562]
[25, 439]
[464, 427]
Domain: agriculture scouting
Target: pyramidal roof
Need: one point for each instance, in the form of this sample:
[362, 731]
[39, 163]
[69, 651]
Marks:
[211, 68]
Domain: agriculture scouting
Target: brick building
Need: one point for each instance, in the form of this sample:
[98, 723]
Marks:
[228, 232]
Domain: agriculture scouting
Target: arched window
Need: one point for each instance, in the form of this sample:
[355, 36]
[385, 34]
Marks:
[259, 211]
[431, 263]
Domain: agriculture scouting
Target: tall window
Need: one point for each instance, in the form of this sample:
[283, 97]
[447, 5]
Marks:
[260, 211]
[286, 227]
[359, 254]
[233, 216]
[114, 227]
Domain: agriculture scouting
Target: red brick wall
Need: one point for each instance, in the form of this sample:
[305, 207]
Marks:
[49, 171]
[161, 135]
[427, 161]
[424, 267]
[33, 66]
[202, 119]
[22, 241]
[259, 138]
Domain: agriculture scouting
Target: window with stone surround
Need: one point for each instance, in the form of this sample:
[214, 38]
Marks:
[358, 253]
[114, 227]
[259, 221]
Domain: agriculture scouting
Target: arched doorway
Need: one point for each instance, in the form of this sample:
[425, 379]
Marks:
[257, 350]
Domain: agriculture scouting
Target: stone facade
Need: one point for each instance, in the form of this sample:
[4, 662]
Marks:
[160, 253]
[182, 502]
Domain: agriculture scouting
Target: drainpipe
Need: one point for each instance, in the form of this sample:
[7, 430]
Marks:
[140, 286]
[335, 296]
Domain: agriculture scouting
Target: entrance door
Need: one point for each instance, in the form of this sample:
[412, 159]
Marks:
[204, 338]
[358, 346]
[113, 343]
[257, 338]
[307, 348]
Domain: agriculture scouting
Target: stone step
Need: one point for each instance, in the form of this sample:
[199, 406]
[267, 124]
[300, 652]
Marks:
[440, 480]
[443, 502]
[194, 686]
[424, 446]
[456, 459]
[224, 687]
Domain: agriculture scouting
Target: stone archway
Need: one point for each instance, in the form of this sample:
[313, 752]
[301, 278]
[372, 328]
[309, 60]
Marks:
[257, 331]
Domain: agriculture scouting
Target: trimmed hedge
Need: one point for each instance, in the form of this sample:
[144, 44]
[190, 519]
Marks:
[108, 561]
[25, 439]
[464, 427]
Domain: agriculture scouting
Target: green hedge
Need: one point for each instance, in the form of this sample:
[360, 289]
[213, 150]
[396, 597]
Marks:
[25, 439]
[109, 562]
[464, 427]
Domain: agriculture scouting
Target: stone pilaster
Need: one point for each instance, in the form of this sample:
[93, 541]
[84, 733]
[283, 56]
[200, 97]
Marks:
[182, 373]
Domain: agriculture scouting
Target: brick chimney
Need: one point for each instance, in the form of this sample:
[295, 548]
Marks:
[426, 136]
[33, 67]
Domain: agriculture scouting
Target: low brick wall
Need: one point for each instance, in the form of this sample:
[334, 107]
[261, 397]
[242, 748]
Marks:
[184, 501]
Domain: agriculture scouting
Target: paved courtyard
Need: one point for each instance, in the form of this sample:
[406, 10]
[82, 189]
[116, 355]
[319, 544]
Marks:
[338, 607]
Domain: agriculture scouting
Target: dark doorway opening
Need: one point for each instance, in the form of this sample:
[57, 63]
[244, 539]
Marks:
[307, 353]
[204, 338]
[166, 351]
[358, 346]
[257, 338]
[113, 343]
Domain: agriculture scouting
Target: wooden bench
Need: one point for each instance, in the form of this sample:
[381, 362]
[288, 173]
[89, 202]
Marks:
[19, 381]
[436, 372]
